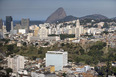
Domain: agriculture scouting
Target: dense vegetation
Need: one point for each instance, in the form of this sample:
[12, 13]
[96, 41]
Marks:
[64, 36]
[89, 53]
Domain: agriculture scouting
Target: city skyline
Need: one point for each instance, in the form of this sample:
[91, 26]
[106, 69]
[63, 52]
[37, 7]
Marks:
[41, 9]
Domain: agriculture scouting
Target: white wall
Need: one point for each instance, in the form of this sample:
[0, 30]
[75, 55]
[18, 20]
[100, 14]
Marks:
[22, 31]
[57, 59]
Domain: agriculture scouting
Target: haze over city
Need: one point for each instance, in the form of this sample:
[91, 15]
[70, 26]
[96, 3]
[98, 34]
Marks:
[57, 38]
[41, 9]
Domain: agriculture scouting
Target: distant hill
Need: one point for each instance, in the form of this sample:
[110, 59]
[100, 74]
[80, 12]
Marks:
[68, 18]
[60, 15]
[88, 17]
[32, 22]
[114, 18]
[94, 17]
[57, 15]
[36, 22]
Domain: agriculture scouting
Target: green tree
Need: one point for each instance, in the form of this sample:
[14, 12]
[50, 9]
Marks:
[114, 70]
[8, 70]
[105, 25]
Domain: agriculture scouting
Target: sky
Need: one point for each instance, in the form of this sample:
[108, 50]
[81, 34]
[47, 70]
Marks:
[41, 9]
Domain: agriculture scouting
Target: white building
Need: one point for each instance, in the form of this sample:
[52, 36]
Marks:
[32, 27]
[77, 29]
[101, 24]
[43, 32]
[22, 31]
[54, 38]
[3, 30]
[49, 31]
[16, 63]
[83, 68]
[22, 73]
[12, 28]
[56, 58]
[29, 36]
[94, 31]
[34, 74]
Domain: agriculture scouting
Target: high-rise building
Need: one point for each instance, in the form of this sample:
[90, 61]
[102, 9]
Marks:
[43, 32]
[25, 24]
[56, 58]
[77, 31]
[1, 23]
[16, 63]
[4, 30]
[8, 23]
[12, 28]
[17, 27]
[36, 30]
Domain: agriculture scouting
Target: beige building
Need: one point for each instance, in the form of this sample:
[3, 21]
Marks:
[4, 28]
[16, 63]
[77, 29]
[43, 32]
[36, 31]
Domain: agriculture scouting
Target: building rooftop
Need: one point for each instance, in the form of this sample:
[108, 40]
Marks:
[56, 52]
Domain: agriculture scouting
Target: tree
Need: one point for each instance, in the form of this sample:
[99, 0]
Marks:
[10, 47]
[63, 36]
[64, 74]
[40, 50]
[47, 43]
[114, 70]
[62, 44]
[24, 43]
[108, 69]
[34, 57]
[8, 70]
[105, 25]
[105, 32]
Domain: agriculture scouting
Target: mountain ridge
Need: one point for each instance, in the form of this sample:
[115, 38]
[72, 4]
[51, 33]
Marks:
[60, 15]
[94, 16]
[57, 15]
[114, 18]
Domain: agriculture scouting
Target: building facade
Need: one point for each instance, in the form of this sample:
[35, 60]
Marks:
[16, 63]
[25, 24]
[36, 31]
[1, 23]
[77, 29]
[8, 23]
[43, 33]
[12, 28]
[56, 58]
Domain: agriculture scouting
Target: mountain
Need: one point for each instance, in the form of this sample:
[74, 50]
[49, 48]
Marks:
[114, 18]
[94, 17]
[57, 15]
[32, 22]
[36, 22]
[68, 18]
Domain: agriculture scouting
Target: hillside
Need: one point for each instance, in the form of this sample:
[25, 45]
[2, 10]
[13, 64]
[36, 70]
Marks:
[57, 15]
[94, 17]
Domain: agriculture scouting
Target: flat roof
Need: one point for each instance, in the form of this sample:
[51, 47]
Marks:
[56, 52]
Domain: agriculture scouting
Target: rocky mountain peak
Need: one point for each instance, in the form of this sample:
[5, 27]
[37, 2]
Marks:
[57, 15]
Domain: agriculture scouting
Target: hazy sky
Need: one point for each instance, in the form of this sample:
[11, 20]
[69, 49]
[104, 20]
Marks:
[41, 9]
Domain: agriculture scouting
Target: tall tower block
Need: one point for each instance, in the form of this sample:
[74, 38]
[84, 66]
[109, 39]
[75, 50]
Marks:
[8, 23]
[77, 31]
